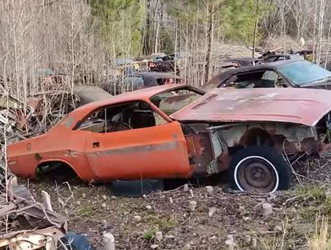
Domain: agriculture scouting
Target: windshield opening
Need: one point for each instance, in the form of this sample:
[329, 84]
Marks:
[304, 72]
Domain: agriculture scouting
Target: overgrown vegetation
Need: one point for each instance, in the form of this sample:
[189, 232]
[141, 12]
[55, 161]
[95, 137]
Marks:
[81, 38]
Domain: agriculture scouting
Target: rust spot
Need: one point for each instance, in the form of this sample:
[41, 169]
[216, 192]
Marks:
[38, 157]
[70, 153]
[205, 101]
[29, 146]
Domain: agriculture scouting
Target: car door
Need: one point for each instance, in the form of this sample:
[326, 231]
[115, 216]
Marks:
[154, 151]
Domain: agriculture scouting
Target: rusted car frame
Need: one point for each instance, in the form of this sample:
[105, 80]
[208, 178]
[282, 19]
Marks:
[179, 131]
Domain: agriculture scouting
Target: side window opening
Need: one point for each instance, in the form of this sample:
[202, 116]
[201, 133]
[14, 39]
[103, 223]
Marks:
[123, 117]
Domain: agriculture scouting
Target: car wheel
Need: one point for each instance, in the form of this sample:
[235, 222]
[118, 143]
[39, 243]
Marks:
[259, 170]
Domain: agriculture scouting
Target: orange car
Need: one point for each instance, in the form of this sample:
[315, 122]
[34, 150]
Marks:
[174, 131]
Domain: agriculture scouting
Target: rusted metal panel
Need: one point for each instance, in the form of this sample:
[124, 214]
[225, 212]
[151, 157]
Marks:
[238, 134]
[200, 152]
[290, 105]
[154, 152]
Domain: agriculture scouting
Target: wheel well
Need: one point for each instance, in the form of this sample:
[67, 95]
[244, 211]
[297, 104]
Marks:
[257, 137]
[56, 167]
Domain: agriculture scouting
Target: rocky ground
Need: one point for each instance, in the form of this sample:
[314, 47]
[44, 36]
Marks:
[168, 220]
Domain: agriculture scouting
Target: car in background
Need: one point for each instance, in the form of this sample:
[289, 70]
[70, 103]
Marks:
[279, 74]
[241, 62]
[133, 80]
[89, 93]
[51, 79]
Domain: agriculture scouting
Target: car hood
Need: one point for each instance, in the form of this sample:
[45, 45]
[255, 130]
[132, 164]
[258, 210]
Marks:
[290, 105]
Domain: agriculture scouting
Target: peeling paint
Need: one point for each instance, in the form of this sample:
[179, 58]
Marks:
[137, 149]
[71, 153]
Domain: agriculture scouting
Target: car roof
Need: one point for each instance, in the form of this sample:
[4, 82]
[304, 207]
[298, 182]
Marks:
[142, 94]
[224, 105]
[242, 59]
[158, 75]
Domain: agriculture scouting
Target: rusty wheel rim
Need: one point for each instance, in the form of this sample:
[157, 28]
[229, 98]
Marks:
[256, 175]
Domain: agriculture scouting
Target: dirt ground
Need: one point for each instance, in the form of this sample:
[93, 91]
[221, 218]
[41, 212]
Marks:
[135, 221]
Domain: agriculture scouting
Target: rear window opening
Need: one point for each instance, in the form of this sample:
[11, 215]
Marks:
[173, 101]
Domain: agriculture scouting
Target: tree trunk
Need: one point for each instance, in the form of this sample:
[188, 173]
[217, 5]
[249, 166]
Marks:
[158, 11]
[209, 38]
[256, 27]
[146, 39]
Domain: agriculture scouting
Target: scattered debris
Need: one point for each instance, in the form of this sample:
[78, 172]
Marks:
[191, 193]
[209, 189]
[108, 241]
[254, 242]
[27, 224]
[230, 242]
[187, 246]
[192, 205]
[158, 236]
[267, 209]
[137, 218]
[211, 211]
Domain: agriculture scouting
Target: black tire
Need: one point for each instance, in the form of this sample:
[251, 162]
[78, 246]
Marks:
[259, 170]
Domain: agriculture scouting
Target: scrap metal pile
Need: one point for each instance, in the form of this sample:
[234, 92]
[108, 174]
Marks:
[20, 121]
[27, 224]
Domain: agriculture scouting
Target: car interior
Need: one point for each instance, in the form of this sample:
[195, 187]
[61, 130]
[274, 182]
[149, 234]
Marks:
[127, 116]
[137, 114]
[258, 79]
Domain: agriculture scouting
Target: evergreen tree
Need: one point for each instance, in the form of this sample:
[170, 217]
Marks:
[120, 24]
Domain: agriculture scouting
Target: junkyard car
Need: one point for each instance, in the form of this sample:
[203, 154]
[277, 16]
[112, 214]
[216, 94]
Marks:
[178, 131]
[283, 74]
[89, 94]
[139, 80]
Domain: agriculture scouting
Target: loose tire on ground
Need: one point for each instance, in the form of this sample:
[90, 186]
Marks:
[259, 170]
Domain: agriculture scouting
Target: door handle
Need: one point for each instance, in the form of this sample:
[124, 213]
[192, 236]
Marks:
[96, 144]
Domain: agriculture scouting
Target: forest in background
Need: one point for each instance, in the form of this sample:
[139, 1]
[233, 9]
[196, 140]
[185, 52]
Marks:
[81, 38]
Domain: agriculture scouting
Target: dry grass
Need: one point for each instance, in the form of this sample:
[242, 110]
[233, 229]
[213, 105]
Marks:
[321, 239]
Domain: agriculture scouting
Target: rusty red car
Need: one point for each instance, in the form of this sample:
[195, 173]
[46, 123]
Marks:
[178, 131]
